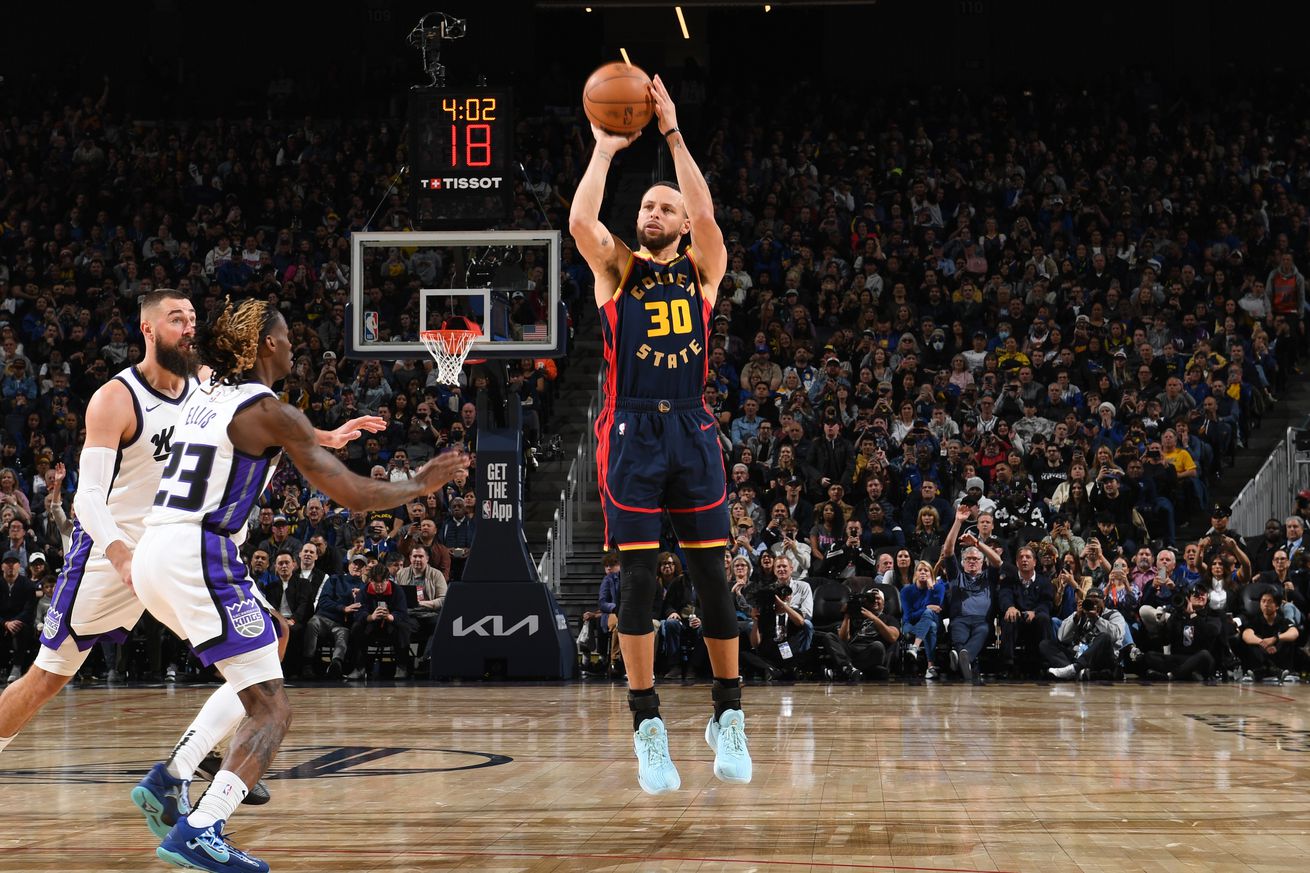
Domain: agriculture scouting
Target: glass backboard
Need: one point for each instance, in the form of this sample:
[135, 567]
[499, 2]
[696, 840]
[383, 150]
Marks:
[506, 283]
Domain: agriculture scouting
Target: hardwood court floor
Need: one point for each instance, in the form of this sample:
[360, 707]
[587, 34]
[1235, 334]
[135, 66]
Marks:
[542, 778]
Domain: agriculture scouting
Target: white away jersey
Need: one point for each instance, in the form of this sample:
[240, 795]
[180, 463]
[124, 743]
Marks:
[141, 461]
[208, 481]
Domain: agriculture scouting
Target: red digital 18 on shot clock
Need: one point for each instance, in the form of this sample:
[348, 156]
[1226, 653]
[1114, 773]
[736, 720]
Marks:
[462, 166]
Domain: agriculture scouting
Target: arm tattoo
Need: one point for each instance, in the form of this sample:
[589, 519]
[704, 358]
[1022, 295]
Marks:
[605, 241]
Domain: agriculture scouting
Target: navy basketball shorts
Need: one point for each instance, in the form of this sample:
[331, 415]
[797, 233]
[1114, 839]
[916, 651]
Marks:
[655, 455]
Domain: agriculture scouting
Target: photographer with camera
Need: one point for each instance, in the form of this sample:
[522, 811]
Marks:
[865, 641]
[1088, 641]
[971, 588]
[781, 614]
[1192, 638]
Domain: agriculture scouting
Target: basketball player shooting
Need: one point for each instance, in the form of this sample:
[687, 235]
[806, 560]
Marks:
[657, 444]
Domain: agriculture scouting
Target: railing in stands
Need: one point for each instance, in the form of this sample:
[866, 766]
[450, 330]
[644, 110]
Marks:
[1271, 493]
[572, 501]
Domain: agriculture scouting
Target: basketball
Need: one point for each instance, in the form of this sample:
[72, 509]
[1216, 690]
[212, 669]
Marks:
[616, 98]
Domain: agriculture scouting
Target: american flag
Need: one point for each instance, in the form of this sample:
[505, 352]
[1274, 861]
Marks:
[536, 332]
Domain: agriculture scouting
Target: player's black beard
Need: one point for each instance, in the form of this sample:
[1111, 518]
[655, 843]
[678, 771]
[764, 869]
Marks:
[176, 361]
[657, 243]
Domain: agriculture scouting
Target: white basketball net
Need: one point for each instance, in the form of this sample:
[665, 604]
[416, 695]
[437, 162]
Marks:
[449, 348]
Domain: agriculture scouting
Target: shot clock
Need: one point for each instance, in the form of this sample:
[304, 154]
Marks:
[461, 158]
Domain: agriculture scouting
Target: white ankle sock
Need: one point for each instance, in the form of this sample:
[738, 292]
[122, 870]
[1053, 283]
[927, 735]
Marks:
[221, 800]
[217, 719]
[4, 741]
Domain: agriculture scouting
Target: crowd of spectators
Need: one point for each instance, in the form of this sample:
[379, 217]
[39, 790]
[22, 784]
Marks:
[1063, 313]
[1073, 307]
[96, 209]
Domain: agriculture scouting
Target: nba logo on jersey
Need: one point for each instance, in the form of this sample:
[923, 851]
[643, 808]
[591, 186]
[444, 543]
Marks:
[371, 326]
[247, 618]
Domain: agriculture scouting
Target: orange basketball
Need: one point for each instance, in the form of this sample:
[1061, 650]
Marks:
[616, 98]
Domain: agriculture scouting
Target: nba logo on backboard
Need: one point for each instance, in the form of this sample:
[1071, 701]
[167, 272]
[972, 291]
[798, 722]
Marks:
[371, 326]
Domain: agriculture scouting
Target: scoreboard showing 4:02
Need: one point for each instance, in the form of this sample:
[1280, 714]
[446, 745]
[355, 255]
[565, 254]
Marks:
[461, 146]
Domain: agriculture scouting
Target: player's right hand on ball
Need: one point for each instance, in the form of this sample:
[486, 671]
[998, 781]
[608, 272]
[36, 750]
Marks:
[612, 142]
[441, 469]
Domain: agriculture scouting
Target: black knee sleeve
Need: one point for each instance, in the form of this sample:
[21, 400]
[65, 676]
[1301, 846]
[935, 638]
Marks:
[636, 591]
[718, 615]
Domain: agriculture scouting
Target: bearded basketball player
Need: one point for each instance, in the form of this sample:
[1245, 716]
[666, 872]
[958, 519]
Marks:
[129, 426]
[658, 448]
[230, 434]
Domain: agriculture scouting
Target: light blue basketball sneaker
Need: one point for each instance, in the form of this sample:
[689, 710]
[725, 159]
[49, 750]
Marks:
[655, 771]
[162, 799]
[206, 849]
[727, 737]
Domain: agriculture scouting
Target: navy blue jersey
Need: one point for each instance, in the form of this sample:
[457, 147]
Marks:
[656, 329]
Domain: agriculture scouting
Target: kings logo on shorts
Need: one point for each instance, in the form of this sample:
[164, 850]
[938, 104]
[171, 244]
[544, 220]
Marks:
[51, 627]
[247, 617]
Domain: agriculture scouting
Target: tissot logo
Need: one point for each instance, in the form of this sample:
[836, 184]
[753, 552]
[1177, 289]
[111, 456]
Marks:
[497, 626]
[459, 182]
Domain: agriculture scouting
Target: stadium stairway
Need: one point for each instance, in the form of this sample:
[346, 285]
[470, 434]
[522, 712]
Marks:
[1290, 411]
[576, 388]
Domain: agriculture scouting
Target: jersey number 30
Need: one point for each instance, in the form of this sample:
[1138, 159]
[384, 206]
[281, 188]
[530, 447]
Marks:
[663, 316]
[192, 476]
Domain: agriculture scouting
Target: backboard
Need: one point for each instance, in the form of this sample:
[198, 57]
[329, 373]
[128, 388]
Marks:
[506, 283]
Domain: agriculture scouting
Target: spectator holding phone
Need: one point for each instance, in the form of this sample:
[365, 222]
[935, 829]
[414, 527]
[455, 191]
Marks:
[383, 617]
[790, 546]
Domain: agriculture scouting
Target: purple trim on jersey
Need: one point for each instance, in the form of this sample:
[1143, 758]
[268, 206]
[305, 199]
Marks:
[245, 482]
[247, 627]
[58, 624]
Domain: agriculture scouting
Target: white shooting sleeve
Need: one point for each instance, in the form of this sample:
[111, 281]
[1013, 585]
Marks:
[92, 499]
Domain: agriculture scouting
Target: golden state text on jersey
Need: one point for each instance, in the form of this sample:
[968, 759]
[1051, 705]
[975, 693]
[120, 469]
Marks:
[656, 330]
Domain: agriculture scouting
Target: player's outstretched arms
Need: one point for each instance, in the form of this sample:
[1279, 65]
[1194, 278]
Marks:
[350, 431]
[270, 422]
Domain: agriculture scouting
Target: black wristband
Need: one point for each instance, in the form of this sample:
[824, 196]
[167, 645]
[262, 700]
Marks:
[670, 132]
